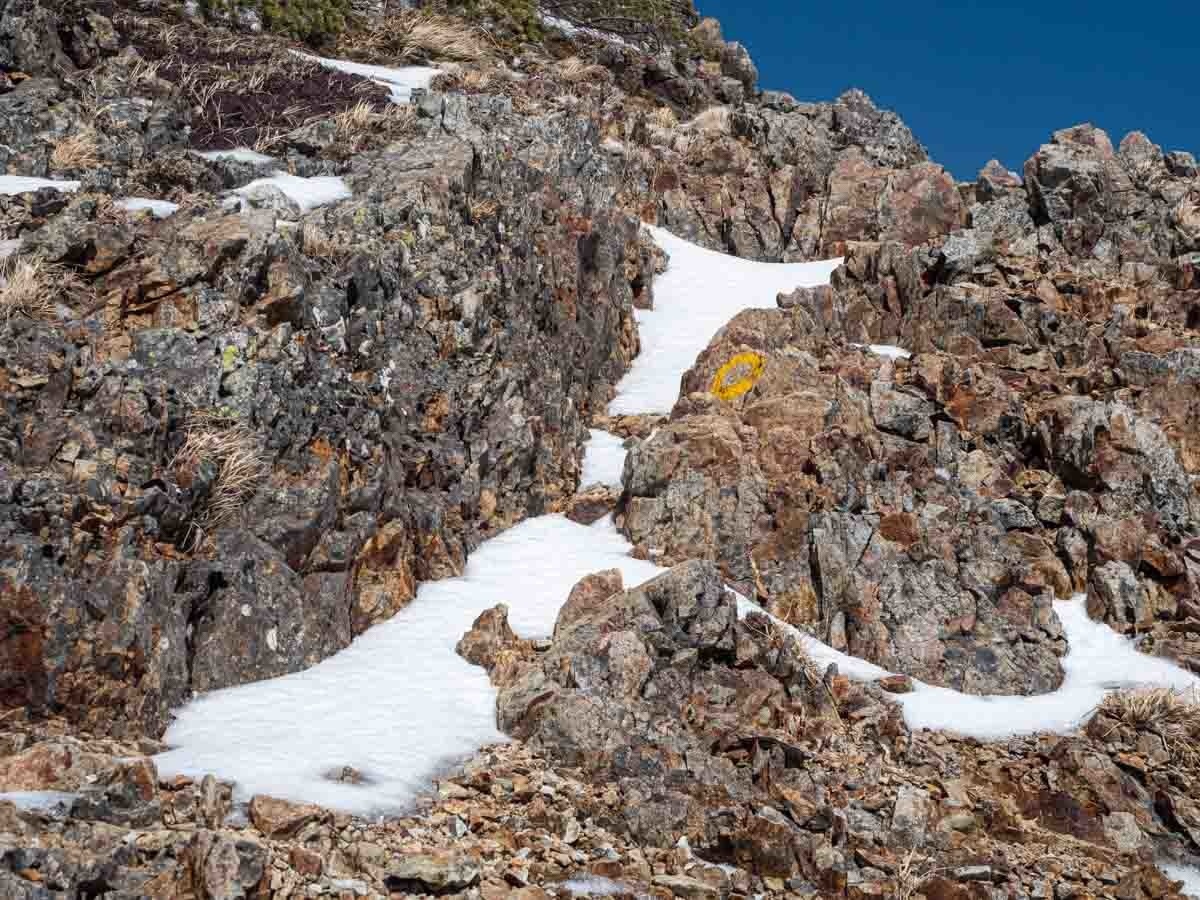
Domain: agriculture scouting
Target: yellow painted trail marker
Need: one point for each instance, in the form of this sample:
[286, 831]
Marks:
[751, 365]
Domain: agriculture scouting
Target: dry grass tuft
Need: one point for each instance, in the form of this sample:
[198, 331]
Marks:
[912, 873]
[235, 453]
[359, 124]
[414, 37]
[1172, 715]
[76, 151]
[663, 117]
[317, 244]
[33, 287]
[714, 120]
[445, 38]
[476, 79]
[787, 657]
[356, 119]
[483, 209]
[575, 70]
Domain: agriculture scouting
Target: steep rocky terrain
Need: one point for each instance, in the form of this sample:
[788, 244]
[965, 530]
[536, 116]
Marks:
[923, 512]
[241, 428]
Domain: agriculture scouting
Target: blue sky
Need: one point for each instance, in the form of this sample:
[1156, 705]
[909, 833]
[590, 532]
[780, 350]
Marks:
[975, 81]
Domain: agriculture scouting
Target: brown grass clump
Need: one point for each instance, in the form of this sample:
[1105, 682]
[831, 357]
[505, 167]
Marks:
[1173, 716]
[415, 37]
[575, 70]
[663, 116]
[456, 77]
[445, 38]
[32, 287]
[76, 151]
[483, 209]
[236, 453]
[356, 125]
[714, 120]
[317, 244]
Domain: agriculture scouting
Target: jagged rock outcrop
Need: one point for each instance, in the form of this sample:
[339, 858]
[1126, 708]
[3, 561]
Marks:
[923, 512]
[720, 731]
[783, 180]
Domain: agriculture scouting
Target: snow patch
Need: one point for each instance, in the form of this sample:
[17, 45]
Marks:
[160, 209]
[40, 801]
[603, 459]
[239, 154]
[401, 81]
[398, 704]
[306, 193]
[1189, 875]
[693, 300]
[887, 350]
[570, 29]
[23, 184]
[597, 886]
[1098, 660]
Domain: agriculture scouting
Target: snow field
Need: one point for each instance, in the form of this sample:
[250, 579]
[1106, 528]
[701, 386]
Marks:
[1188, 875]
[40, 801]
[239, 154]
[889, 351]
[160, 209]
[306, 193]
[1098, 661]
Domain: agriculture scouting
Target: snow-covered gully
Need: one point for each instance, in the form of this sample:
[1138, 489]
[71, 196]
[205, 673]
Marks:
[399, 705]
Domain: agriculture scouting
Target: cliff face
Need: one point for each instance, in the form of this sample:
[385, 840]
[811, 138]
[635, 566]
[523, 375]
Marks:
[356, 321]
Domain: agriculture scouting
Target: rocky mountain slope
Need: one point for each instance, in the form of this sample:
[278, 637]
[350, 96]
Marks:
[241, 428]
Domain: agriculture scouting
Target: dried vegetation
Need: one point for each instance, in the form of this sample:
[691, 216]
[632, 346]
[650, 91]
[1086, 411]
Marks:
[411, 37]
[245, 90]
[1170, 715]
[33, 288]
[228, 458]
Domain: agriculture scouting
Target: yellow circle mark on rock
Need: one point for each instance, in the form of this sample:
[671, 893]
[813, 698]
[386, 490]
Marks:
[751, 361]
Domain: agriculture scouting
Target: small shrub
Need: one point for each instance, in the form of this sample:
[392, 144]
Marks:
[308, 20]
[517, 20]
